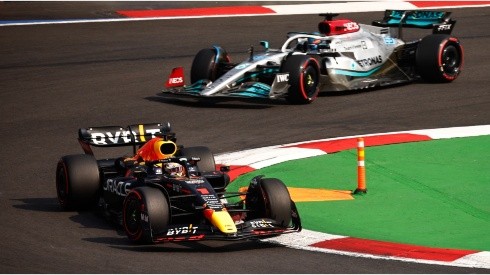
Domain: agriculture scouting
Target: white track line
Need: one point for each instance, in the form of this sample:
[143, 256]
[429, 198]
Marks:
[293, 9]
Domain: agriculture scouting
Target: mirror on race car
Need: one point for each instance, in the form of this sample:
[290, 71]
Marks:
[265, 44]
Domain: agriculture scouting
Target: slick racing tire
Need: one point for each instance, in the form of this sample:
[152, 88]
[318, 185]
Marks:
[439, 58]
[269, 199]
[304, 77]
[145, 211]
[207, 163]
[77, 182]
[207, 66]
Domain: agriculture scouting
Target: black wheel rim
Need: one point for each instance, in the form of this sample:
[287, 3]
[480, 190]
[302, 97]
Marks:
[451, 60]
[132, 216]
[310, 81]
[255, 203]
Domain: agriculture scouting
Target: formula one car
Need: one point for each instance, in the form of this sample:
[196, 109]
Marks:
[343, 55]
[155, 204]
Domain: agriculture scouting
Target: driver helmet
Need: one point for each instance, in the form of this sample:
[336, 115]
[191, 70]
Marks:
[313, 42]
[174, 169]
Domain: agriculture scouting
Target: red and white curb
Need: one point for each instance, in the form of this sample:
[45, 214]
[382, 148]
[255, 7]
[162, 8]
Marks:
[262, 10]
[249, 160]
[294, 9]
[343, 245]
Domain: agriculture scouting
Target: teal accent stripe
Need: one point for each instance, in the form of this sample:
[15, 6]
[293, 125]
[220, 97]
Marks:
[420, 23]
[250, 94]
[196, 88]
[355, 73]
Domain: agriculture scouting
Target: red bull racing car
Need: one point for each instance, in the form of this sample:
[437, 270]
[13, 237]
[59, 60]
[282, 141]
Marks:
[179, 195]
[342, 55]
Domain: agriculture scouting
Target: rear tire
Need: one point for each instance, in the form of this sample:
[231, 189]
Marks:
[77, 182]
[439, 58]
[207, 162]
[304, 77]
[270, 199]
[145, 210]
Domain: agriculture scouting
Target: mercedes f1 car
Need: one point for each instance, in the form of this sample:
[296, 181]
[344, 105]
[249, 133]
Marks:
[154, 205]
[342, 55]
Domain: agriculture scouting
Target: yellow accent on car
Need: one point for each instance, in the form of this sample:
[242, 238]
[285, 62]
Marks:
[223, 221]
[142, 132]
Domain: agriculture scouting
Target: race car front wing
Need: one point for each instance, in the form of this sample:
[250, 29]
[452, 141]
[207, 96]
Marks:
[253, 229]
[246, 90]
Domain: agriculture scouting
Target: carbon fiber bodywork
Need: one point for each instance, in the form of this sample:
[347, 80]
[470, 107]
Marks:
[144, 197]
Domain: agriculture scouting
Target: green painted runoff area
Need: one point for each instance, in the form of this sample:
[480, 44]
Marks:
[431, 193]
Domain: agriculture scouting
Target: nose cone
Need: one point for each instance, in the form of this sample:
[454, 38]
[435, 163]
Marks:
[221, 220]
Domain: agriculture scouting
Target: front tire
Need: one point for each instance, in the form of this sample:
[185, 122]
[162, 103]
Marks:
[269, 199]
[304, 77]
[77, 182]
[439, 58]
[145, 210]
[207, 66]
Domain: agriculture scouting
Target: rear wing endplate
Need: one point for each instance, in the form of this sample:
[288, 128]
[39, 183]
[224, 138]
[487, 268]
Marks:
[115, 136]
[438, 21]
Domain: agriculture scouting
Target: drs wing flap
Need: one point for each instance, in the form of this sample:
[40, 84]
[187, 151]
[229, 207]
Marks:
[438, 21]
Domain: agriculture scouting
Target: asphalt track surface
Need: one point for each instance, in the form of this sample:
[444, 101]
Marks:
[57, 78]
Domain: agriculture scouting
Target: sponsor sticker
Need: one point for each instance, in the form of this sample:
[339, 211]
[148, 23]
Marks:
[261, 224]
[280, 78]
[105, 138]
[212, 201]
[389, 41]
[194, 181]
[355, 45]
[444, 27]
[351, 26]
[370, 61]
[176, 80]
[183, 230]
[117, 187]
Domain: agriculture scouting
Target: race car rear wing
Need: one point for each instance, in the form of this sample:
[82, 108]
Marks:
[114, 136]
[438, 21]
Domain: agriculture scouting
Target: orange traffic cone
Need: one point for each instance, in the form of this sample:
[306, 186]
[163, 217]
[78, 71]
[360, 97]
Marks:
[361, 169]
